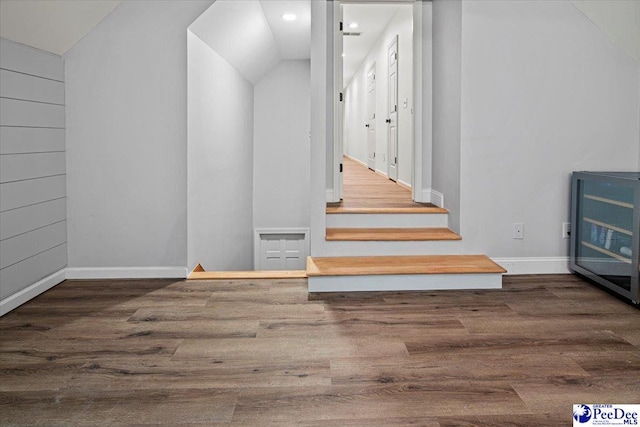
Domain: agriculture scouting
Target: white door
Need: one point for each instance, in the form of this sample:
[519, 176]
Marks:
[371, 117]
[392, 118]
[282, 252]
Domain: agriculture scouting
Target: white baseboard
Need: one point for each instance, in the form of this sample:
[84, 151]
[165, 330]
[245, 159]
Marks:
[436, 198]
[404, 184]
[535, 265]
[15, 300]
[429, 195]
[330, 196]
[356, 160]
[381, 173]
[127, 273]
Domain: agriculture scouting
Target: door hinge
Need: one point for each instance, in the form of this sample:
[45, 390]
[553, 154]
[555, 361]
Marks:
[340, 167]
[395, 160]
[341, 26]
[340, 96]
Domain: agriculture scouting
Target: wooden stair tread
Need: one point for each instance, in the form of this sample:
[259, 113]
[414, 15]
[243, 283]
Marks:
[221, 275]
[385, 210]
[386, 265]
[391, 234]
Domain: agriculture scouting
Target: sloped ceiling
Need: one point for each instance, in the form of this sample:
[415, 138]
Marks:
[51, 25]
[618, 19]
[252, 36]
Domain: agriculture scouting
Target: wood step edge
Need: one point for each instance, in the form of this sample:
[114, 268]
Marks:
[417, 210]
[231, 275]
[402, 265]
[391, 234]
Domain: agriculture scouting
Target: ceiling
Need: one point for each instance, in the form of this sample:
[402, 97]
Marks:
[372, 19]
[52, 25]
[249, 34]
[252, 36]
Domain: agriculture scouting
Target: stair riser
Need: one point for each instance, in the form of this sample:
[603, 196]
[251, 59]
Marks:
[377, 248]
[386, 220]
[417, 282]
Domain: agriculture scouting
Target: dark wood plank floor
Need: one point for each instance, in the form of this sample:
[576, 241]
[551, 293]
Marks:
[264, 352]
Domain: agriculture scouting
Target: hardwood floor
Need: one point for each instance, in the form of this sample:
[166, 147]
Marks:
[391, 234]
[265, 352]
[413, 264]
[366, 189]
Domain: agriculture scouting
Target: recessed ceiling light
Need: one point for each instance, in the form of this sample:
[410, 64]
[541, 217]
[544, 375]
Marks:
[289, 17]
[353, 25]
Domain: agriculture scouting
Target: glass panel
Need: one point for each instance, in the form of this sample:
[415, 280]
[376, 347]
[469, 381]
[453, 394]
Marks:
[605, 234]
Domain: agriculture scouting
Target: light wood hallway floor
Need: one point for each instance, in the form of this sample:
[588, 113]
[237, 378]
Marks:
[364, 188]
[265, 352]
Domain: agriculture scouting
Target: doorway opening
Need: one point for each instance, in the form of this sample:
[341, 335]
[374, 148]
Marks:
[375, 95]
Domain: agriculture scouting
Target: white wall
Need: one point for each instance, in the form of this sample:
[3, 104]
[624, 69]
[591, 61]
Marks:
[447, 57]
[281, 147]
[544, 93]
[220, 162]
[126, 97]
[355, 115]
[320, 123]
[423, 106]
[33, 223]
[355, 133]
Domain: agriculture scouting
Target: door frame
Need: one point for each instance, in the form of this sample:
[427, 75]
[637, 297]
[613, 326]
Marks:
[373, 68]
[338, 104]
[418, 192]
[395, 41]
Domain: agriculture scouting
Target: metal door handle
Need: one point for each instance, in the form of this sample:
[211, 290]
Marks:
[388, 120]
[366, 125]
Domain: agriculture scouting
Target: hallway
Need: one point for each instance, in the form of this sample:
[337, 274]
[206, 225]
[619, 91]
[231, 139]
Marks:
[366, 189]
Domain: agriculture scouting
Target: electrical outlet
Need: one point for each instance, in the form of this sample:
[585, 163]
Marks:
[566, 230]
[518, 230]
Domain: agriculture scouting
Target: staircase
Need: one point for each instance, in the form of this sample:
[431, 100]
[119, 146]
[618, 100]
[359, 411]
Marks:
[392, 249]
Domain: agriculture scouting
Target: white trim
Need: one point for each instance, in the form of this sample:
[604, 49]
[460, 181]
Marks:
[15, 300]
[404, 282]
[404, 184]
[422, 196]
[338, 105]
[329, 196]
[379, 172]
[436, 198]
[127, 273]
[535, 265]
[257, 232]
[396, 41]
[356, 160]
[430, 195]
[417, 143]
[412, 220]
